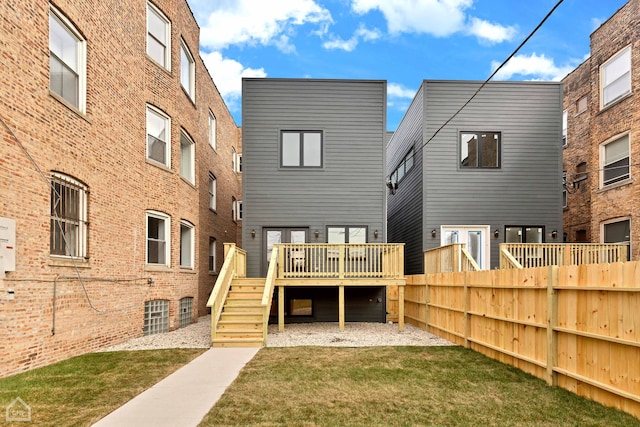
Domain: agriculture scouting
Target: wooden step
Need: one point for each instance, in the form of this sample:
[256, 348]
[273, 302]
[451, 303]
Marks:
[243, 302]
[238, 333]
[236, 342]
[241, 317]
[248, 325]
[245, 293]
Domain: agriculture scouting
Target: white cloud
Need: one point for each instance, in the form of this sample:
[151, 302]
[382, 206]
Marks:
[396, 90]
[490, 33]
[439, 18]
[349, 45]
[532, 67]
[227, 75]
[259, 22]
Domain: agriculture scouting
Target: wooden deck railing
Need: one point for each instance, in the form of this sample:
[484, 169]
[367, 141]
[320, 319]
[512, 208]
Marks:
[528, 255]
[301, 260]
[449, 258]
[267, 296]
[234, 266]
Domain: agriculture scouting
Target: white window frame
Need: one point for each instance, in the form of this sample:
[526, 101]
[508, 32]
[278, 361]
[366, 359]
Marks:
[81, 58]
[188, 167]
[167, 237]
[603, 157]
[167, 51]
[613, 221]
[234, 207]
[213, 197]
[71, 232]
[212, 130]
[233, 159]
[239, 162]
[238, 211]
[621, 58]
[188, 248]
[212, 255]
[187, 82]
[565, 140]
[167, 122]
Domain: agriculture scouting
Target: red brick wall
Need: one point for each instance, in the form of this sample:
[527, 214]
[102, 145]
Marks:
[105, 148]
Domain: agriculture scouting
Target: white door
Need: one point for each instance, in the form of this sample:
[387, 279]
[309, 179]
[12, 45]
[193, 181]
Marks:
[476, 238]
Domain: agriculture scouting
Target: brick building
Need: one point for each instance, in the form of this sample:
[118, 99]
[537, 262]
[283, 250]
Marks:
[602, 145]
[119, 169]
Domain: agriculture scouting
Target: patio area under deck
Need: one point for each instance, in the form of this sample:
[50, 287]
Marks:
[337, 265]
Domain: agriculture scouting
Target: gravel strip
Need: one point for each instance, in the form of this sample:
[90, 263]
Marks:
[355, 334]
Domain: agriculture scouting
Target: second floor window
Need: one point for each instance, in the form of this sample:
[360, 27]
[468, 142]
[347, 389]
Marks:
[301, 149]
[68, 217]
[187, 71]
[158, 238]
[158, 37]
[158, 137]
[615, 77]
[480, 150]
[615, 161]
[212, 191]
[67, 70]
[212, 254]
[212, 130]
[187, 244]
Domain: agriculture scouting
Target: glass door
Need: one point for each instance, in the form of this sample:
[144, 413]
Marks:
[474, 236]
[272, 236]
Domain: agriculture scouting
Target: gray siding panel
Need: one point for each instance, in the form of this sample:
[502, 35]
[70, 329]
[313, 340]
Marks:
[404, 217]
[526, 189]
[348, 190]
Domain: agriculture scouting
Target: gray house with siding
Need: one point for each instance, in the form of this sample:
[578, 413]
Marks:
[314, 172]
[493, 174]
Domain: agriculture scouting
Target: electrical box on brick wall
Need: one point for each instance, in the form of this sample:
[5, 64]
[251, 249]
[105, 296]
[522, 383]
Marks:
[7, 244]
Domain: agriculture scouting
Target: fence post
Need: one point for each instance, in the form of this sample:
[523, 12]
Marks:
[567, 255]
[552, 322]
[427, 300]
[467, 317]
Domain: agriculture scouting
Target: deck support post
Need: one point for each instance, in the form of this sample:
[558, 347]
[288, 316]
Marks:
[281, 308]
[341, 306]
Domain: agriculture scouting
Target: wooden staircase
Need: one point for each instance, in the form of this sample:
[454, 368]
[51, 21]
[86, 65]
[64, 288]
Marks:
[241, 321]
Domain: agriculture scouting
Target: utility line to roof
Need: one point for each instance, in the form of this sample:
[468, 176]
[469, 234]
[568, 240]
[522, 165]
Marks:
[492, 75]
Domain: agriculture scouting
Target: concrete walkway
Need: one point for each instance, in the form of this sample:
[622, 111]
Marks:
[186, 396]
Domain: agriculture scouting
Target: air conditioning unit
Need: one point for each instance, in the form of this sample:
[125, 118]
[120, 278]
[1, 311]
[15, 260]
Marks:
[7, 245]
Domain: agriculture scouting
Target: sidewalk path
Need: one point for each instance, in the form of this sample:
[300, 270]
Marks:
[186, 396]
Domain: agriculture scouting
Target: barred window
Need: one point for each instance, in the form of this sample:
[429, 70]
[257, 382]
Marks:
[69, 224]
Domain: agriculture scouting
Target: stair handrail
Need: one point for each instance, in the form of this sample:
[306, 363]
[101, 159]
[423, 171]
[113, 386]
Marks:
[221, 288]
[469, 264]
[507, 260]
[267, 296]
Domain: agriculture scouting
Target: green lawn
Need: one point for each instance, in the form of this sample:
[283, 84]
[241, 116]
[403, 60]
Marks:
[397, 386]
[81, 390]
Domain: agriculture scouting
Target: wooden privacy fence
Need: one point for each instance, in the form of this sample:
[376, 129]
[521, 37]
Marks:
[453, 257]
[577, 327]
[527, 255]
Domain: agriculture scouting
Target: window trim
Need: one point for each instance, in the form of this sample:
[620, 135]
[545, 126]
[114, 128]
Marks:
[192, 246]
[213, 188]
[478, 133]
[81, 51]
[603, 156]
[601, 70]
[82, 224]
[192, 166]
[191, 90]
[167, 238]
[167, 120]
[167, 51]
[301, 133]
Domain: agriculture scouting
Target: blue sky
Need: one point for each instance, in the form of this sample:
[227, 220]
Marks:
[400, 41]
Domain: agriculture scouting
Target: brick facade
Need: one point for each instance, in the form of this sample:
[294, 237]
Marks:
[60, 307]
[593, 204]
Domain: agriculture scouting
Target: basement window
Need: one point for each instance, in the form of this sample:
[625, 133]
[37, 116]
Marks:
[301, 307]
[186, 307]
[156, 317]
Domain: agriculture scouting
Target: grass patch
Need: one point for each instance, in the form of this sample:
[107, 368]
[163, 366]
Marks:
[397, 386]
[81, 390]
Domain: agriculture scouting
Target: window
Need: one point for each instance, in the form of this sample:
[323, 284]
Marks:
[406, 164]
[158, 36]
[158, 235]
[239, 163]
[186, 308]
[564, 129]
[301, 149]
[524, 234]
[156, 317]
[236, 161]
[238, 210]
[187, 71]
[233, 159]
[581, 172]
[564, 189]
[212, 255]
[480, 149]
[67, 60]
[581, 105]
[615, 160]
[212, 191]
[186, 244]
[212, 130]
[234, 206]
[615, 77]
[187, 158]
[346, 234]
[158, 136]
[68, 217]
[618, 231]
